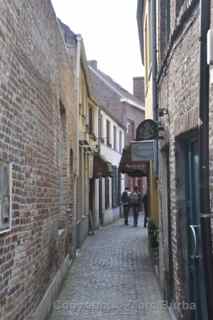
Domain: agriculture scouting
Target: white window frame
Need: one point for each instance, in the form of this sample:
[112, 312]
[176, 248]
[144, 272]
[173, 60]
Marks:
[120, 141]
[2, 231]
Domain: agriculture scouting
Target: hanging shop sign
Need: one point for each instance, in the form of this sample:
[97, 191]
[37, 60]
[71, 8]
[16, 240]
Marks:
[143, 150]
[147, 130]
[133, 169]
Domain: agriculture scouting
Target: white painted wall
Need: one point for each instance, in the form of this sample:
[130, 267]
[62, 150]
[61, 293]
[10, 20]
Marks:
[108, 153]
[114, 157]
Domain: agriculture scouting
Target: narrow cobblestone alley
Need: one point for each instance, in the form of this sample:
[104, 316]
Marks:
[112, 278]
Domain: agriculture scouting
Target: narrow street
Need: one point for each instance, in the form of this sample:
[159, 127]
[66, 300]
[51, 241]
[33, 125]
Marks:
[111, 279]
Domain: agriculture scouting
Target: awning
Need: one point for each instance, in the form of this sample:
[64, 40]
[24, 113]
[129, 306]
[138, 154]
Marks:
[102, 167]
[133, 168]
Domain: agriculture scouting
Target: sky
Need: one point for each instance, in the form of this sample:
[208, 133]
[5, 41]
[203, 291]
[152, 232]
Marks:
[109, 30]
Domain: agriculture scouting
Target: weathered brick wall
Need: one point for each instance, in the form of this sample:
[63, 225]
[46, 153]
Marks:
[179, 94]
[34, 77]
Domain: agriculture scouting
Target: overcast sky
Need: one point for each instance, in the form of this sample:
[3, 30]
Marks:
[109, 30]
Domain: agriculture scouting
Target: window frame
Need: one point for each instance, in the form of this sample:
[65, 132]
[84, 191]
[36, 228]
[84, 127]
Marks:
[100, 128]
[130, 127]
[115, 137]
[120, 141]
[107, 193]
[108, 133]
[91, 120]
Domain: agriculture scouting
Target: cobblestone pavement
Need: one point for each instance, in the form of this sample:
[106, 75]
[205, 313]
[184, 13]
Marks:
[111, 279]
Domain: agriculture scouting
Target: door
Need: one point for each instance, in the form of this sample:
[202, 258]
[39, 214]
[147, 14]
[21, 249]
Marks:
[91, 205]
[196, 279]
[101, 220]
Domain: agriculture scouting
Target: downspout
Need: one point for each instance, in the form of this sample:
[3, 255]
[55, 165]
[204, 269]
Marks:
[206, 240]
[154, 75]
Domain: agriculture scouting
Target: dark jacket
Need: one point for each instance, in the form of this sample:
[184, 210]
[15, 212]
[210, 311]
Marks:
[125, 198]
[135, 199]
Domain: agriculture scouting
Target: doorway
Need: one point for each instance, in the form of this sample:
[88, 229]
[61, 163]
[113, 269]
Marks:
[91, 205]
[195, 268]
[101, 219]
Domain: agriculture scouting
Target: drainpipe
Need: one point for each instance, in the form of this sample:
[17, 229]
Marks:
[206, 240]
[154, 75]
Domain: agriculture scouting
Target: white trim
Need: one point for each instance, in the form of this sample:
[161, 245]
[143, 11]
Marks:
[106, 82]
[133, 103]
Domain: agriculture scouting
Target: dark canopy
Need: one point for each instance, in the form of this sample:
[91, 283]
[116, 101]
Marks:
[132, 168]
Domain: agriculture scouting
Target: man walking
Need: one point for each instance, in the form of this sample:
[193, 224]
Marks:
[125, 203]
[135, 201]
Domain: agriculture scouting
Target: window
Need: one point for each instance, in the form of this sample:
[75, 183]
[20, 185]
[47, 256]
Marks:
[106, 193]
[5, 196]
[115, 138]
[115, 187]
[100, 128]
[108, 129]
[120, 141]
[90, 120]
[130, 129]
[165, 22]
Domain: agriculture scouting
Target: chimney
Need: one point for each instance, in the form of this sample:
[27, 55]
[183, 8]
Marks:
[138, 88]
[93, 64]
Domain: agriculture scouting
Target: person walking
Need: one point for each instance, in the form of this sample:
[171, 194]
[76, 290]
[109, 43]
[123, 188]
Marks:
[145, 206]
[125, 203]
[135, 201]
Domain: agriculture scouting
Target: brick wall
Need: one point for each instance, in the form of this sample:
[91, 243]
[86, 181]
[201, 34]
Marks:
[35, 80]
[179, 95]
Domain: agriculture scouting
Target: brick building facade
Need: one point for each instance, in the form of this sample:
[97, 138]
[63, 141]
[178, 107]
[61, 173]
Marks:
[178, 97]
[87, 109]
[178, 81]
[38, 153]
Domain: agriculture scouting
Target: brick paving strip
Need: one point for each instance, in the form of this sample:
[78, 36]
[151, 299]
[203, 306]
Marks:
[111, 279]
